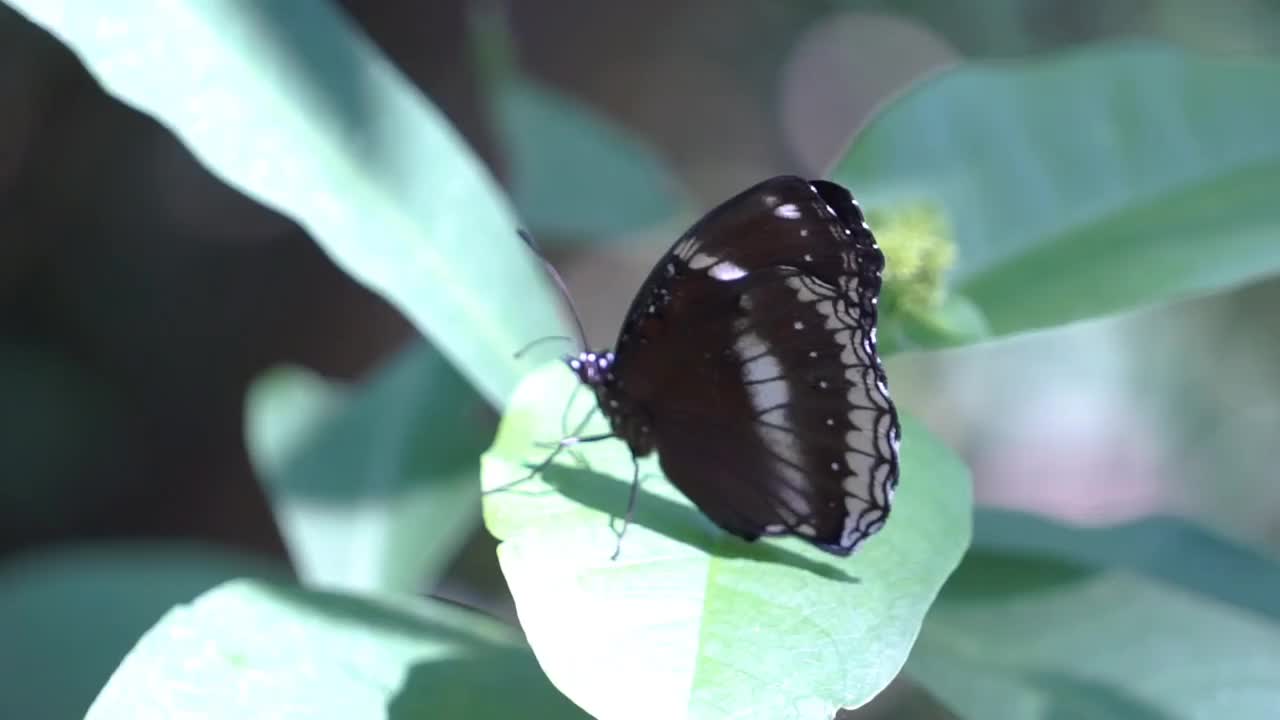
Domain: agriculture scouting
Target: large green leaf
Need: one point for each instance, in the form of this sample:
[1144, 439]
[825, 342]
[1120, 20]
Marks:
[248, 649]
[708, 625]
[1016, 637]
[68, 616]
[379, 491]
[1086, 184]
[290, 104]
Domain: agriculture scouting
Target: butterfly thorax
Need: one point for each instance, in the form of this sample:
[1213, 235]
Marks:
[628, 420]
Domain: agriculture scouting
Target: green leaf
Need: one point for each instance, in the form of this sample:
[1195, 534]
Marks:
[1045, 620]
[68, 616]
[710, 626]
[1086, 184]
[993, 27]
[1167, 549]
[248, 649]
[574, 174]
[62, 423]
[377, 492]
[295, 107]
[1021, 27]
[955, 321]
[1024, 638]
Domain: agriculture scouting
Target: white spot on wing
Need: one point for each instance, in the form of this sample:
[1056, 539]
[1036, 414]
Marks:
[703, 260]
[788, 211]
[726, 271]
[684, 248]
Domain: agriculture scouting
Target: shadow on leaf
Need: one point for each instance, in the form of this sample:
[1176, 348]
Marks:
[485, 682]
[349, 610]
[682, 523]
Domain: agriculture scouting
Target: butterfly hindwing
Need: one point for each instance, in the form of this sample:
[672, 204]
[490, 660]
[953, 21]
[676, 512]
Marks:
[786, 419]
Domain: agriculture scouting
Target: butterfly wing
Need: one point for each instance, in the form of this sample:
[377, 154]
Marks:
[752, 347]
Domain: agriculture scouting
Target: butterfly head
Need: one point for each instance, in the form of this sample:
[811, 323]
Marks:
[592, 368]
[629, 421]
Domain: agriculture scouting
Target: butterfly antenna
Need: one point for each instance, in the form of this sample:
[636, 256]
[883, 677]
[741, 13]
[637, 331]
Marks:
[564, 289]
[535, 343]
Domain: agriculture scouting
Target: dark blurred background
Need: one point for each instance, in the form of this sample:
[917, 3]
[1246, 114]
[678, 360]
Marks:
[139, 296]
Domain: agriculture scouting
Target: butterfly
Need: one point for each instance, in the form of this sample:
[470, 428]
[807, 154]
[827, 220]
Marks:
[748, 363]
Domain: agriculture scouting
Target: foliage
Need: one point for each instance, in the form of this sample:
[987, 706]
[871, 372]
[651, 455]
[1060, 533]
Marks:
[1063, 188]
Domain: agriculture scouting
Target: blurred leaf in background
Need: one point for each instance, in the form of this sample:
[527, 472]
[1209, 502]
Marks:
[59, 422]
[1028, 27]
[303, 114]
[1157, 619]
[375, 487]
[69, 615]
[574, 174]
[1170, 550]
[1087, 183]
[1088, 649]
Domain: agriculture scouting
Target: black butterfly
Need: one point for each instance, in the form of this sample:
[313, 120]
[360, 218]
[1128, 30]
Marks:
[748, 362]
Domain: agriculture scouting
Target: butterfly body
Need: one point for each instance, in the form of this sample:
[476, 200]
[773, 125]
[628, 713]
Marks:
[748, 362]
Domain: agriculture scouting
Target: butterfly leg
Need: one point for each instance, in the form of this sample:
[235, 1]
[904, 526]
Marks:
[631, 507]
[573, 440]
[556, 449]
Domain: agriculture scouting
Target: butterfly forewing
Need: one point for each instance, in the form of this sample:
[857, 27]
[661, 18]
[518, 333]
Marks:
[748, 362]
